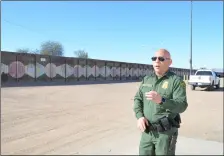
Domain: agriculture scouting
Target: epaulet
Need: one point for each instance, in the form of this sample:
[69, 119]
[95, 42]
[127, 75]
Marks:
[178, 78]
[175, 76]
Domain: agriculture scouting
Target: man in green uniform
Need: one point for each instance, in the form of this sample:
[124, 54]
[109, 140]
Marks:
[158, 102]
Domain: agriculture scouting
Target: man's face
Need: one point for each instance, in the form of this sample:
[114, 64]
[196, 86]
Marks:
[161, 62]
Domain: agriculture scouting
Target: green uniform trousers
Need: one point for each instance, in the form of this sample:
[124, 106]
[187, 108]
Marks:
[157, 143]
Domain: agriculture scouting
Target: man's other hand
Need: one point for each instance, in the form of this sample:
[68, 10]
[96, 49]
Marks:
[154, 96]
[142, 123]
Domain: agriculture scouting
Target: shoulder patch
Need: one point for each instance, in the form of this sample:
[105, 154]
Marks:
[183, 84]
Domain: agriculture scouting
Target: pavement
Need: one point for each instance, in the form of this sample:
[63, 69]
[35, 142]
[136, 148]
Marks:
[185, 146]
[191, 146]
[127, 144]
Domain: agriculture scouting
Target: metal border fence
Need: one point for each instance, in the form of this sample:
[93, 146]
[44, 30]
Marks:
[24, 67]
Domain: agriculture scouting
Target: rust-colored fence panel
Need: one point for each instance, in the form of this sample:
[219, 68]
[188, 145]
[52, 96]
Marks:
[71, 69]
[57, 68]
[148, 69]
[185, 72]
[172, 69]
[129, 71]
[8, 67]
[109, 70]
[176, 71]
[43, 68]
[91, 69]
[144, 71]
[82, 70]
[135, 72]
[180, 73]
[141, 71]
[23, 67]
[117, 71]
[26, 70]
[123, 71]
[100, 70]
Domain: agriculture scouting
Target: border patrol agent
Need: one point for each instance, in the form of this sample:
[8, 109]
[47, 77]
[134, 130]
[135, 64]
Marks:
[158, 102]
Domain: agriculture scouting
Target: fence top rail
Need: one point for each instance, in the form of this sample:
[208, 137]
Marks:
[91, 59]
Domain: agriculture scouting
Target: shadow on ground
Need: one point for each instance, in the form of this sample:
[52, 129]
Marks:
[221, 89]
[33, 84]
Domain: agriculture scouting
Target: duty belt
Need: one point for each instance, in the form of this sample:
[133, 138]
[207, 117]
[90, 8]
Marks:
[162, 125]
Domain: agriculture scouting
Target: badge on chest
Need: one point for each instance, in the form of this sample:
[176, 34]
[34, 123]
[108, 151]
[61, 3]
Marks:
[165, 85]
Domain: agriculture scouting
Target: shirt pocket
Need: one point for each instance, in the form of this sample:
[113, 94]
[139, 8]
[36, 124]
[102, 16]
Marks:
[146, 89]
[165, 93]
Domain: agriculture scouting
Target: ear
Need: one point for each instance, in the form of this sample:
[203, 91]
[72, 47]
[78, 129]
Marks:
[170, 61]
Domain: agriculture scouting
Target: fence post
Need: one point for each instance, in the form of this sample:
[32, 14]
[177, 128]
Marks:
[35, 59]
[65, 70]
[78, 71]
[17, 67]
[95, 69]
[86, 69]
[120, 72]
[105, 68]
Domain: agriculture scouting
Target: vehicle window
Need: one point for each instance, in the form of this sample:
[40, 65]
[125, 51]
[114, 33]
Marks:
[217, 74]
[204, 73]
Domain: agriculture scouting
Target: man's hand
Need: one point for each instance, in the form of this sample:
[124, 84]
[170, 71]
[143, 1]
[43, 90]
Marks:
[142, 123]
[154, 96]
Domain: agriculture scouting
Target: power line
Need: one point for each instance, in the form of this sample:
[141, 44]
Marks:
[44, 34]
[19, 25]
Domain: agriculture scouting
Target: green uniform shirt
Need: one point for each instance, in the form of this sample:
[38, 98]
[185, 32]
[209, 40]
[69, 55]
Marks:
[171, 87]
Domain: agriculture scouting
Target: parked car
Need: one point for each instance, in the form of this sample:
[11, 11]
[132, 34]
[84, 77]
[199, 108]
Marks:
[204, 78]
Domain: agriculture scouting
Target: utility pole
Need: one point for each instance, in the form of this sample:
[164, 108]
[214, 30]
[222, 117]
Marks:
[191, 42]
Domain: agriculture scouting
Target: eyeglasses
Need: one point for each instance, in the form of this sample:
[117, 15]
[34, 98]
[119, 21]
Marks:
[160, 58]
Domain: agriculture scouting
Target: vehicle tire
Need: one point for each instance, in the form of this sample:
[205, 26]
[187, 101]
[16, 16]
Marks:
[218, 85]
[210, 88]
[192, 87]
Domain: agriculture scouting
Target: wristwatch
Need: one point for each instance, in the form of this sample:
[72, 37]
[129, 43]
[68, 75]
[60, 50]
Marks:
[163, 100]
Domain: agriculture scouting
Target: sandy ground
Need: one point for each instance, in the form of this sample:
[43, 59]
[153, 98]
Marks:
[91, 119]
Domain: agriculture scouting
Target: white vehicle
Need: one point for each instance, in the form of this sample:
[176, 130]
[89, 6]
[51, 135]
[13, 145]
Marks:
[204, 78]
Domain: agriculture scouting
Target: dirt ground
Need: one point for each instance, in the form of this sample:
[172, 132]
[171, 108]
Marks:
[91, 119]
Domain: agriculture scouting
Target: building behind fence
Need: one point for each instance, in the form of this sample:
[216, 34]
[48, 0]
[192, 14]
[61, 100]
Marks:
[23, 67]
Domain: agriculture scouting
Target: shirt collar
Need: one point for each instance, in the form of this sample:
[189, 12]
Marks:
[166, 75]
